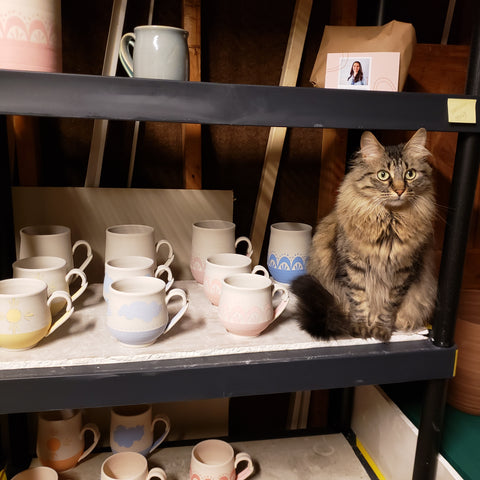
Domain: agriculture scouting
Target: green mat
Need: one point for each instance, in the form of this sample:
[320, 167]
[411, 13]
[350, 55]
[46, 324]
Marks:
[461, 431]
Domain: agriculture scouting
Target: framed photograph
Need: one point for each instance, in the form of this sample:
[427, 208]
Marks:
[363, 71]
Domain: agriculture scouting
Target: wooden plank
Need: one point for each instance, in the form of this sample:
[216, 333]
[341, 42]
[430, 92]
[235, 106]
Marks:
[192, 133]
[276, 138]
[27, 149]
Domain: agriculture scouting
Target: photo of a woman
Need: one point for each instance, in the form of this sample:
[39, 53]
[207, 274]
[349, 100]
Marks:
[356, 74]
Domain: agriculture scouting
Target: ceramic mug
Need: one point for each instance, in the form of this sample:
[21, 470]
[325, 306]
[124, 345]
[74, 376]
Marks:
[129, 466]
[133, 266]
[61, 439]
[53, 271]
[246, 303]
[132, 429]
[37, 473]
[137, 310]
[137, 240]
[222, 265]
[158, 52]
[52, 240]
[26, 310]
[209, 237]
[288, 250]
[216, 460]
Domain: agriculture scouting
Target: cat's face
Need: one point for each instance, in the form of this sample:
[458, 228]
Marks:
[394, 176]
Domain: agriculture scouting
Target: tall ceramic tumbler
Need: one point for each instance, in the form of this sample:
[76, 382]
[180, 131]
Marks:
[288, 250]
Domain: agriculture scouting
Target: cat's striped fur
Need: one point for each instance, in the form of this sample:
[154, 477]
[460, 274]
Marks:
[371, 262]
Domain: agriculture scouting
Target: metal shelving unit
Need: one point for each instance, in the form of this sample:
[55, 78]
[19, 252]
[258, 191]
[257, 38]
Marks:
[433, 359]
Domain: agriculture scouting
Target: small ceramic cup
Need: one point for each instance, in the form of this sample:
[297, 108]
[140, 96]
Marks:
[132, 429]
[133, 266]
[61, 439]
[137, 310]
[129, 466]
[246, 303]
[216, 460]
[27, 312]
[210, 237]
[288, 250]
[222, 265]
[37, 473]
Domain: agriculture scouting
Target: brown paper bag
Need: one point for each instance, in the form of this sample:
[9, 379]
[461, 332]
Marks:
[392, 37]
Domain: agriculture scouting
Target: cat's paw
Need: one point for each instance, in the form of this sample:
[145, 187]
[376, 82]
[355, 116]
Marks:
[381, 333]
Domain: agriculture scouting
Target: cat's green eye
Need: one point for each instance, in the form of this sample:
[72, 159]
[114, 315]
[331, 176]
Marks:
[383, 175]
[410, 174]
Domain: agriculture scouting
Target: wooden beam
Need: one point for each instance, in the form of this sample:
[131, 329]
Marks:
[192, 133]
[276, 138]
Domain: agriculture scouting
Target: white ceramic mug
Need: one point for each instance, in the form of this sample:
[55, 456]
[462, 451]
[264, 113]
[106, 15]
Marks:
[133, 266]
[37, 473]
[27, 312]
[246, 303]
[132, 429]
[209, 237]
[61, 439]
[216, 460]
[129, 466]
[288, 250]
[53, 271]
[222, 265]
[137, 310]
[137, 240]
[52, 240]
[158, 52]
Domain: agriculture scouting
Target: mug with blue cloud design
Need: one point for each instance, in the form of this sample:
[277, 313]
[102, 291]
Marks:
[132, 429]
[288, 250]
[138, 314]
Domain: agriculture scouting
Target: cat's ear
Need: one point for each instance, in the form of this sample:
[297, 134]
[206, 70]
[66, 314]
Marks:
[415, 147]
[370, 147]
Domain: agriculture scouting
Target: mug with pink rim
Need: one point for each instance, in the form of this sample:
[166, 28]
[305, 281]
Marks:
[216, 460]
[210, 237]
[129, 466]
[222, 265]
[37, 473]
[246, 304]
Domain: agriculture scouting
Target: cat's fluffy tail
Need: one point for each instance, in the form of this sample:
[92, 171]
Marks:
[317, 312]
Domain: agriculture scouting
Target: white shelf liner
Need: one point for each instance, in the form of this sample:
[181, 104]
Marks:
[84, 339]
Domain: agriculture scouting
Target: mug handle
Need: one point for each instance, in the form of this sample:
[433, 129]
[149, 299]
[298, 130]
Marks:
[83, 286]
[261, 270]
[166, 421]
[283, 302]
[68, 312]
[124, 52]
[176, 292]
[161, 269]
[249, 243]
[89, 257]
[157, 472]
[170, 255]
[90, 427]
[248, 470]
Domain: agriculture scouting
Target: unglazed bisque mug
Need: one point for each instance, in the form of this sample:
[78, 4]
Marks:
[210, 237]
[132, 429]
[136, 240]
[222, 265]
[61, 439]
[52, 240]
[246, 303]
[26, 312]
[158, 52]
[216, 460]
[37, 473]
[137, 310]
[53, 271]
[129, 466]
[288, 250]
[133, 266]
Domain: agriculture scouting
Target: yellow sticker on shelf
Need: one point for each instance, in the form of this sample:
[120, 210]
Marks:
[462, 110]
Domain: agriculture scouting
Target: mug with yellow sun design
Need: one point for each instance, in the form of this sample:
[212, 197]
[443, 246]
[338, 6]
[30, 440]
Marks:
[26, 312]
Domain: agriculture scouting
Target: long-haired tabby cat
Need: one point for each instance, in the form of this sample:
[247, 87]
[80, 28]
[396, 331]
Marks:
[370, 270]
